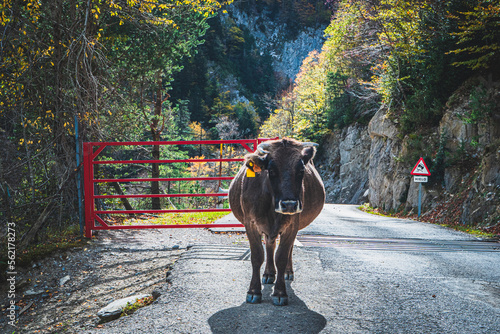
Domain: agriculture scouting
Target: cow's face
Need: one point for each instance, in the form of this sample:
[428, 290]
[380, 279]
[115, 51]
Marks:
[284, 164]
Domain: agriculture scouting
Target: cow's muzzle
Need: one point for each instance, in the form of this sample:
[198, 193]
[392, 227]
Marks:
[289, 207]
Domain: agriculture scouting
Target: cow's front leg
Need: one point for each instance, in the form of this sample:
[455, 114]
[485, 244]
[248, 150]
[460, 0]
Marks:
[270, 271]
[280, 298]
[254, 294]
[289, 266]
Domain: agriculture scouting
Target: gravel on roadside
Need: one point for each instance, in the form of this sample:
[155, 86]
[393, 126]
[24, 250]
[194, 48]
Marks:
[113, 265]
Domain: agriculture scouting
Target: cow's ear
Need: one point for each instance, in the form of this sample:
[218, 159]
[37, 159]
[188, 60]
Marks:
[308, 154]
[256, 162]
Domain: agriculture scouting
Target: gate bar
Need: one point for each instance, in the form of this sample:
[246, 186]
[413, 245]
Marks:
[91, 214]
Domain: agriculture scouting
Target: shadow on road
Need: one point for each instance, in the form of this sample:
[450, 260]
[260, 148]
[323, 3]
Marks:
[267, 318]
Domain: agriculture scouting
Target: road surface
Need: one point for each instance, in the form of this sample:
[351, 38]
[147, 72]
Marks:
[354, 273]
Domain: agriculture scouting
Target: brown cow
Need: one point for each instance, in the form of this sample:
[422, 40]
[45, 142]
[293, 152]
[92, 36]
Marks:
[276, 193]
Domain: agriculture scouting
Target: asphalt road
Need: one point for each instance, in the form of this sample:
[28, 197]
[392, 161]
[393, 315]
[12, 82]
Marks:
[354, 273]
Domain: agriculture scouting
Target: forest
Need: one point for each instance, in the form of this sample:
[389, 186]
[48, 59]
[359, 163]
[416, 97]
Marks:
[404, 56]
[130, 70]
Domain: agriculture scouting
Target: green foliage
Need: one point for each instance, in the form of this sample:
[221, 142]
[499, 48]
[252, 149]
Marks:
[339, 102]
[349, 95]
[399, 54]
[472, 230]
[248, 119]
[431, 80]
[302, 111]
[95, 64]
[294, 13]
[478, 35]
[188, 218]
[374, 211]
[54, 240]
[416, 146]
[482, 104]
[132, 307]
[332, 88]
[310, 121]
[418, 76]
[235, 42]
[229, 54]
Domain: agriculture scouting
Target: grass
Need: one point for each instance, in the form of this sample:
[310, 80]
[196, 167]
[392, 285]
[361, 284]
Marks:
[131, 308]
[183, 218]
[471, 230]
[374, 211]
[53, 241]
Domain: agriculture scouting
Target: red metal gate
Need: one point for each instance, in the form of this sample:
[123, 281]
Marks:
[92, 150]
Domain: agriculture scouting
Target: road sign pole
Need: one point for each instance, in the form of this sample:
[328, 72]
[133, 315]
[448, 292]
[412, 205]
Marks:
[420, 173]
[419, 199]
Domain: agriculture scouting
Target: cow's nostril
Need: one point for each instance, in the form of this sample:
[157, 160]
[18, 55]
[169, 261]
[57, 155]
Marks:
[289, 207]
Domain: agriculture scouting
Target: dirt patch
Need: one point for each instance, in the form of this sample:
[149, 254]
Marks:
[114, 265]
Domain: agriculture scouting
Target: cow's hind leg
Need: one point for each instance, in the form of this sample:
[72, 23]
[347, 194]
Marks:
[270, 271]
[254, 294]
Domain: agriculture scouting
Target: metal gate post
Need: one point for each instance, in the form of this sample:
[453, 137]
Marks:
[88, 176]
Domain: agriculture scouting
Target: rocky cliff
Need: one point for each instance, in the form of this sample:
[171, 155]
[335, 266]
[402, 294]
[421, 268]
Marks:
[372, 163]
[343, 163]
[287, 53]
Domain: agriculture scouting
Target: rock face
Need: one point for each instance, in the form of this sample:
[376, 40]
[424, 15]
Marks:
[373, 163]
[269, 37]
[344, 166]
[475, 145]
[387, 180]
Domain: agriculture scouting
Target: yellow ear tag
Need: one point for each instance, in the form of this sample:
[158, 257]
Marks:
[250, 173]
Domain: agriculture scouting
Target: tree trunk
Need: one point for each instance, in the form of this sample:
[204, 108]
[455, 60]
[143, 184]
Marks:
[155, 131]
[155, 185]
[124, 200]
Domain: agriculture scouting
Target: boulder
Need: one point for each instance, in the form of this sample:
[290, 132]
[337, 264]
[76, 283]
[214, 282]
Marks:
[113, 310]
[382, 126]
[33, 292]
[64, 280]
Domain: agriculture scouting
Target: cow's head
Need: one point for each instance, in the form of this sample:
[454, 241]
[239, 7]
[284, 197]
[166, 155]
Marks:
[284, 163]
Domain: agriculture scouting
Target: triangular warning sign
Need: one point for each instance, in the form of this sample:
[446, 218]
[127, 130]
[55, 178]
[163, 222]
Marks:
[420, 168]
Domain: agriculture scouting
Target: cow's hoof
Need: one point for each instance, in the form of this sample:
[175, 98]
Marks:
[289, 276]
[280, 300]
[268, 278]
[254, 298]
